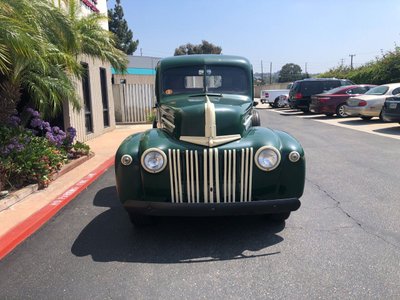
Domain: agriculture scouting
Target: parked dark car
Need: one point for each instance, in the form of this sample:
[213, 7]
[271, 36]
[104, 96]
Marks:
[302, 90]
[332, 102]
[391, 109]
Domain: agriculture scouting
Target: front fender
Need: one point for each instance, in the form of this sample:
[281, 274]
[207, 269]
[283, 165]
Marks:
[134, 183]
[128, 178]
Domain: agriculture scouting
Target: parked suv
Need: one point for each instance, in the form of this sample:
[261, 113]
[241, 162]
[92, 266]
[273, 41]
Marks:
[302, 90]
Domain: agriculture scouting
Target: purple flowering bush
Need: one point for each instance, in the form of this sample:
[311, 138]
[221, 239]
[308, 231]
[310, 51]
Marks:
[32, 151]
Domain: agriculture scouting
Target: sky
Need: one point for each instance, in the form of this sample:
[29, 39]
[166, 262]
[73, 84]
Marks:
[315, 34]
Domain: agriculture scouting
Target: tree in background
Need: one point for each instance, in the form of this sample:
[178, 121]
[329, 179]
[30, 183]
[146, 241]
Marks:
[385, 69]
[118, 25]
[290, 72]
[203, 48]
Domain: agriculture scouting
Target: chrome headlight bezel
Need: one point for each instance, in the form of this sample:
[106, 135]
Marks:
[159, 152]
[269, 149]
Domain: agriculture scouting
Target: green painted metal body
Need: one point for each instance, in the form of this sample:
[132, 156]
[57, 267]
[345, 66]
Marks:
[187, 114]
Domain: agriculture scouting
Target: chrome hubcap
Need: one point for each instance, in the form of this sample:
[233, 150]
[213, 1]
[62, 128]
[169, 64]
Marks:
[341, 111]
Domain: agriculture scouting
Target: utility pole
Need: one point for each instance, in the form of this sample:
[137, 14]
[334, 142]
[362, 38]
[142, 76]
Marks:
[342, 62]
[351, 60]
[141, 52]
[262, 73]
[270, 72]
[305, 68]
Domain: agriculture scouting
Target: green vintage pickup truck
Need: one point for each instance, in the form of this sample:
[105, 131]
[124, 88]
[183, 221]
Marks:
[207, 154]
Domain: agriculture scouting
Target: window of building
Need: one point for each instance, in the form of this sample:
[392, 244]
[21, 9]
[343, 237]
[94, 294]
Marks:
[87, 101]
[104, 97]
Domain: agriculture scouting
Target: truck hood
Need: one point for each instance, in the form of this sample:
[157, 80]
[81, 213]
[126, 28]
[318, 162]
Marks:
[207, 119]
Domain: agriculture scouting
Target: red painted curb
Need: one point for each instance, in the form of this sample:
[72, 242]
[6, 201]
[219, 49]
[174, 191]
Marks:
[26, 228]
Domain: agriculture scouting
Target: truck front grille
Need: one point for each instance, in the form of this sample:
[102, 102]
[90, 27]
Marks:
[210, 176]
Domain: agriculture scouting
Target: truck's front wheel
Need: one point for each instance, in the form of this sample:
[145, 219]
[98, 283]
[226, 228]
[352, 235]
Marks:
[255, 121]
[279, 217]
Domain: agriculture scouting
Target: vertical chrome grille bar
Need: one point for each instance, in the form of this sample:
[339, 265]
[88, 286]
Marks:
[191, 176]
[205, 177]
[171, 178]
[211, 179]
[217, 175]
[187, 177]
[197, 176]
[179, 176]
[234, 175]
[251, 173]
[175, 177]
[225, 175]
[230, 176]
[246, 175]
[241, 177]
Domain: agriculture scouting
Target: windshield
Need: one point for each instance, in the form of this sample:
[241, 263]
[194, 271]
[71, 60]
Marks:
[379, 90]
[212, 79]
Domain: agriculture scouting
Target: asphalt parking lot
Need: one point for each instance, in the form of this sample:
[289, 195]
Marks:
[343, 243]
[373, 126]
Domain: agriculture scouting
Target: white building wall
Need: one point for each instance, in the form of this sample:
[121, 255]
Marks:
[76, 118]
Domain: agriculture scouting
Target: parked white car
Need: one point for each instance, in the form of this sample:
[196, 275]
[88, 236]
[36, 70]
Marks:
[370, 104]
[275, 98]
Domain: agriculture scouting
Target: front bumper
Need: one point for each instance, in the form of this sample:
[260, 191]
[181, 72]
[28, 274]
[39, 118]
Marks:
[391, 117]
[260, 207]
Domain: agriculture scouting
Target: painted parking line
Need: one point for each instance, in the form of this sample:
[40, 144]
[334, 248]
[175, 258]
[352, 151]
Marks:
[373, 126]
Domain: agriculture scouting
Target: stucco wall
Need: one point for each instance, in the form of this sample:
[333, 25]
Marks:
[76, 118]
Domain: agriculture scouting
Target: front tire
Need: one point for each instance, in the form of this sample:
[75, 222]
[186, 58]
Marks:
[279, 217]
[277, 104]
[305, 110]
[381, 117]
[340, 111]
[255, 121]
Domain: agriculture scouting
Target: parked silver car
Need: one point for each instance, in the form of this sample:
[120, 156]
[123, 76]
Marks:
[370, 104]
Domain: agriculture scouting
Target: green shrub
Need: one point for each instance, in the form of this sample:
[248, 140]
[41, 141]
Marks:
[26, 158]
[79, 149]
[34, 151]
[385, 69]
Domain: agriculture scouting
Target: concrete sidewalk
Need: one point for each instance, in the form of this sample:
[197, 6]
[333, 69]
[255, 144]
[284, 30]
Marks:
[104, 148]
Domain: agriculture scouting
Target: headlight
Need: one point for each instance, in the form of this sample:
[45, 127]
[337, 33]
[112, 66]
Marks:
[154, 160]
[126, 159]
[267, 158]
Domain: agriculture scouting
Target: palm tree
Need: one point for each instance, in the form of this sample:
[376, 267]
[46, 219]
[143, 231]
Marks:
[91, 38]
[39, 49]
[30, 60]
